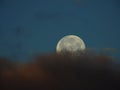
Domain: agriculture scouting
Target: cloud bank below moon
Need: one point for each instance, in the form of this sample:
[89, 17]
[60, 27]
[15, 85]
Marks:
[53, 71]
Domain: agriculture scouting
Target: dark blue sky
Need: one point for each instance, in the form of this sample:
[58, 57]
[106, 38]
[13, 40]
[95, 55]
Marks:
[35, 26]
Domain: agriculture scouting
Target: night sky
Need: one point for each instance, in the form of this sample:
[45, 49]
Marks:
[28, 27]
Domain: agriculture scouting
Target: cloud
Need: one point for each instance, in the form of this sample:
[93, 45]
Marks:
[53, 71]
[110, 49]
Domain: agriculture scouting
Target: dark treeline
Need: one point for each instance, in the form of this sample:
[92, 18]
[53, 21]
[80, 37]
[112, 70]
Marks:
[58, 72]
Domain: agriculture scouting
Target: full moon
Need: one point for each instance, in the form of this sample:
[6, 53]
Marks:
[70, 44]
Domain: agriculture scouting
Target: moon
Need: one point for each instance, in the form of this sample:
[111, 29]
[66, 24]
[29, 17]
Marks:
[70, 44]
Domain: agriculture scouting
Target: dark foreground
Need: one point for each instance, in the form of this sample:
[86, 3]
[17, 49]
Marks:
[56, 72]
